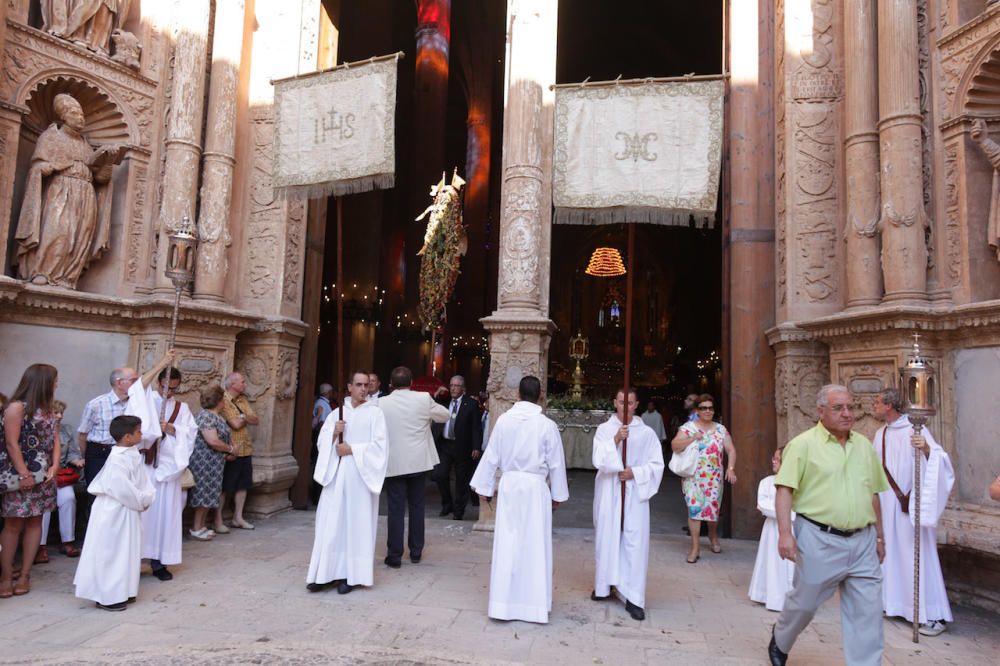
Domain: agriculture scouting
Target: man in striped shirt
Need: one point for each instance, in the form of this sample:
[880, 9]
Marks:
[92, 434]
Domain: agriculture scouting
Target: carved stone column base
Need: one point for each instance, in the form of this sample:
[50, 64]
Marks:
[272, 477]
[802, 368]
[519, 346]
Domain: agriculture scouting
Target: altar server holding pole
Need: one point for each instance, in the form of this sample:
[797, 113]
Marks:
[350, 466]
[622, 554]
[526, 447]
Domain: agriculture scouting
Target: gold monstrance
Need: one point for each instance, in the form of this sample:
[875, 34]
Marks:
[579, 350]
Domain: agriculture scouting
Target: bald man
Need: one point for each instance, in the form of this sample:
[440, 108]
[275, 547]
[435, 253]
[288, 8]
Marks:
[92, 434]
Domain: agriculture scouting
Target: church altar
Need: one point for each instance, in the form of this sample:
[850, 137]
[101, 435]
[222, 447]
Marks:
[576, 427]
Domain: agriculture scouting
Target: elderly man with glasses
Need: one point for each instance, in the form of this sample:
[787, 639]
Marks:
[831, 476]
[93, 436]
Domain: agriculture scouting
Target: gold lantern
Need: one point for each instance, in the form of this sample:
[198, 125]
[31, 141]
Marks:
[916, 380]
[180, 254]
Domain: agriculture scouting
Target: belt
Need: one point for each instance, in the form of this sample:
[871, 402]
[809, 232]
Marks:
[107, 446]
[832, 530]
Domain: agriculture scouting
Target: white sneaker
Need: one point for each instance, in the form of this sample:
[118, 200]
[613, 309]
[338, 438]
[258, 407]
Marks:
[933, 628]
[201, 535]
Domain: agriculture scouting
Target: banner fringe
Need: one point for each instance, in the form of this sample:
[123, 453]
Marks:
[635, 215]
[337, 188]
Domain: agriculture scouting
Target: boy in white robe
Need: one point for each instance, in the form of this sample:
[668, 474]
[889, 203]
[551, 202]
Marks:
[166, 461]
[108, 573]
[526, 447]
[897, 441]
[772, 576]
[622, 556]
[351, 474]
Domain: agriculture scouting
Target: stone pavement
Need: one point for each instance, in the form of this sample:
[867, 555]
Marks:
[241, 599]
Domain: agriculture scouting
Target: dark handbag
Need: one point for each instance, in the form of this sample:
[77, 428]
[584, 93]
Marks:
[36, 461]
[67, 476]
[904, 500]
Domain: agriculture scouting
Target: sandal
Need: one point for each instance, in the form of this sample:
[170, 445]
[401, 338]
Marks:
[23, 585]
[201, 535]
[42, 556]
[716, 547]
[7, 592]
[69, 550]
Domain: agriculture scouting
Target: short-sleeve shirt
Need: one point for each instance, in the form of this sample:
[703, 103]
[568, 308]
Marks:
[97, 416]
[832, 484]
[242, 437]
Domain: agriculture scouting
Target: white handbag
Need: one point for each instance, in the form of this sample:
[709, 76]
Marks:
[685, 463]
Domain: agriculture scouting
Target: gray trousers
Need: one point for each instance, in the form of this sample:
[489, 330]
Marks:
[825, 563]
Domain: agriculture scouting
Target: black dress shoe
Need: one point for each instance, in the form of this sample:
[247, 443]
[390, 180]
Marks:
[774, 653]
[344, 588]
[445, 510]
[392, 564]
[415, 559]
[636, 612]
[594, 597]
[317, 587]
[458, 516]
[163, 574]
[120, 606]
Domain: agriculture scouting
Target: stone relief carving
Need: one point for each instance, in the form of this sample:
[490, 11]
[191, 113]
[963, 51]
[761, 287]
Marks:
[957, 50]
[294, 251]
[816, 202]
[990, 148]
[265, 211]
[519, 266]
[780, 206]
[65, 222]
[287, 374]
[89, 23]
[865, 380]
[199, 368]
[798, 380]
[127, 49]
[136, 226]
[255, 365]
[953, 235]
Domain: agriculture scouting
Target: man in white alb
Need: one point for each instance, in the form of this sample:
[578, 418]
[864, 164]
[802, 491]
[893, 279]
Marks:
[623, 555]
[526, 447]
[351, 472]
[894, 443]
[652, 418]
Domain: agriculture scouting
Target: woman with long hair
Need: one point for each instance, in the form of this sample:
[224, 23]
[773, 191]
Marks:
[29, 424]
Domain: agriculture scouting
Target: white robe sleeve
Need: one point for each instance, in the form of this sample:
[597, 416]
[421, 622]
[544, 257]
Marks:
[649, 474]
[371, 456]
[175, 450]
[485, 479]
[142, 404]
[555, 459]
[936, 484]
[116, 482]
[607, 458]
[766, 497]
[326, 461]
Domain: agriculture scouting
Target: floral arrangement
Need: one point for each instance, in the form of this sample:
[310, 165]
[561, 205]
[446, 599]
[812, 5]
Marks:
[444, 243]
[566, 401]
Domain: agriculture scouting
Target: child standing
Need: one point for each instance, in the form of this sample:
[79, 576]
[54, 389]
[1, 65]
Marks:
[772, 576]
[109, 566]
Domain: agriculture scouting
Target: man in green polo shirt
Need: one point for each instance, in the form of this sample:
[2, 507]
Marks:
[832, 478]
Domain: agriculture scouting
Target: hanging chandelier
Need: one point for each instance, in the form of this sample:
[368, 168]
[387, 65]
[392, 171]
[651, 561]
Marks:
[605, 262]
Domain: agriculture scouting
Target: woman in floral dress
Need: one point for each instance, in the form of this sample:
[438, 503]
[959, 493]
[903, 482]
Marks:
[703, 491]
[211, 446]
[29, 425]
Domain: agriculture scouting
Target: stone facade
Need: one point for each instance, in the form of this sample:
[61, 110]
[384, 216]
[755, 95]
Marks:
[864, 206]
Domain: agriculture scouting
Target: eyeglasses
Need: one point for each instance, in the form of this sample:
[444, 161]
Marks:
[706, 408]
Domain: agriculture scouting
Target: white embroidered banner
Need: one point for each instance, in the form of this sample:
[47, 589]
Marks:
[334, 132]
[647, 152]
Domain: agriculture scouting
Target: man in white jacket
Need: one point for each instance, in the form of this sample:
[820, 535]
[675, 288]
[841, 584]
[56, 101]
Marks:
[622, 555]
[895, 443]
[526, 447]
[408, 418]
[351, 472]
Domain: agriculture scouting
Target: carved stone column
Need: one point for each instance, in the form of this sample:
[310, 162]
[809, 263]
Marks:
[10, 129]
[520, 329]
[802, 368]
[184, 124]
[220, 145]
[904, 249]
[864, 275]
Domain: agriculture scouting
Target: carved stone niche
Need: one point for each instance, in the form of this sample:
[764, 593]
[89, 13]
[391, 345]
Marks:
[865, 378]
[118, 107]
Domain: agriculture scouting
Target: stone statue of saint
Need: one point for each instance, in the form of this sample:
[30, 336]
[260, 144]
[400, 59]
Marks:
[65, 222]
[89, 23]
[980, 134]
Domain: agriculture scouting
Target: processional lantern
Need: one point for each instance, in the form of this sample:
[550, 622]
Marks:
[180, 254]
[916, 380]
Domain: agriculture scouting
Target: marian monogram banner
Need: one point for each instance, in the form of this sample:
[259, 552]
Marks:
[646, 152]
[335, 131]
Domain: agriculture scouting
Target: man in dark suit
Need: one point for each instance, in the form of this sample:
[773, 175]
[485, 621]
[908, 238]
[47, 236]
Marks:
[461, 443]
